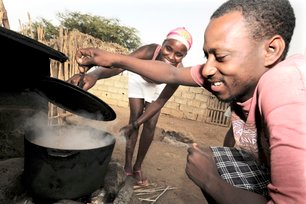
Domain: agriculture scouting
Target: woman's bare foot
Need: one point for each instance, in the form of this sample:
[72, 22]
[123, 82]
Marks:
[140, 180]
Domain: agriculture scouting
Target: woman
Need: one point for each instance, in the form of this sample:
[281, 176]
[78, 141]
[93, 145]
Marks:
[145, 96]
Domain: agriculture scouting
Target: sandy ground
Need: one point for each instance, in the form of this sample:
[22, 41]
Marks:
[165, 162]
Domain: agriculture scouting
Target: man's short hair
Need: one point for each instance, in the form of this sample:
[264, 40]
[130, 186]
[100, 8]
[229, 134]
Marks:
[265, 18]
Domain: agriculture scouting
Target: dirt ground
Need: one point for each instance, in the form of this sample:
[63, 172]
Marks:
[165, 162]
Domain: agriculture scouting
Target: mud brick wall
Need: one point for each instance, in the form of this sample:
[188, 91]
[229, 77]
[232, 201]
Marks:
[187, 102]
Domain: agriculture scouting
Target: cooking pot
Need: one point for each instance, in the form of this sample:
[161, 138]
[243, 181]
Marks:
[66, 162]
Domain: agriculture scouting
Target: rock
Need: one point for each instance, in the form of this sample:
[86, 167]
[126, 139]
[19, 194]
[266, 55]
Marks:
[125, 195]
[114, 180]
[11, 144]
[11, 185]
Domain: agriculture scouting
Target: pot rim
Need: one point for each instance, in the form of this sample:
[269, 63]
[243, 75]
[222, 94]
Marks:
[34, 136]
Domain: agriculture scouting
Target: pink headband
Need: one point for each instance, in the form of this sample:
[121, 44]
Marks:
[182, 35]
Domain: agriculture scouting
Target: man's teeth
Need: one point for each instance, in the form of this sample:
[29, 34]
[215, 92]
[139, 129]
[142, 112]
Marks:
[217, 83]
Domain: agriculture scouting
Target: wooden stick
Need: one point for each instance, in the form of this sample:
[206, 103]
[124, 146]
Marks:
[146, 199]
[149, 191]
[150, 199]
[161, 194]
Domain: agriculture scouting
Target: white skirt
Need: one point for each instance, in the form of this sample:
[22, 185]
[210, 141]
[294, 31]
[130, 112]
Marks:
[140, 88]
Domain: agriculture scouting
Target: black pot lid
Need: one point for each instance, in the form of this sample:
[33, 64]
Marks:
[73, 99]
[31, 46]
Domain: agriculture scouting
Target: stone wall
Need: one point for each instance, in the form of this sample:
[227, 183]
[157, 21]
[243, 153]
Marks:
[187, 102]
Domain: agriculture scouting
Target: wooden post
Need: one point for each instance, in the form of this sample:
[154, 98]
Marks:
[3, 16]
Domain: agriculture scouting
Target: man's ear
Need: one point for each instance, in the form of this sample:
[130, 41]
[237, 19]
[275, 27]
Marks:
[274, 49]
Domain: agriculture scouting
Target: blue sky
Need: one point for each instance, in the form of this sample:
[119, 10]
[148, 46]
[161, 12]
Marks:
[152, 18]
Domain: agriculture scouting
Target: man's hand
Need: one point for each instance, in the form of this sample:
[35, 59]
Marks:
[200, 167]
[89, 57]
[85, 58]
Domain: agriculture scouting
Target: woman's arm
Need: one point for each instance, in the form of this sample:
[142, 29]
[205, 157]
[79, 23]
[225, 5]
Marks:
[102, 72]
[90, 78]
[151, 110]
[157, 105]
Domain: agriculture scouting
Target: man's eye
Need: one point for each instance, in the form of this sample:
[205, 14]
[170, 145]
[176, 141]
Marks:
[220, 58]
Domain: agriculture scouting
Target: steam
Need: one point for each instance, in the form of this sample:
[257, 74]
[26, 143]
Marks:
[94, 116]
[68, 137]
[120, 137]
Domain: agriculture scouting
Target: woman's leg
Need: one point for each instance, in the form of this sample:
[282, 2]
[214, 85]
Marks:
[136, 109]
[146, 139]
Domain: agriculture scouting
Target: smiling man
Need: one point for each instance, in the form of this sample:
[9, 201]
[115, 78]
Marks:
[264, 154]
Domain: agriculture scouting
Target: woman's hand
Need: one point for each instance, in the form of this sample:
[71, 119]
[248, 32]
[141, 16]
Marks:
[88, 80]
[127, 130]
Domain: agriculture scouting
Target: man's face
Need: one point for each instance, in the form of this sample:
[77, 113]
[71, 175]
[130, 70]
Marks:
[234, 61]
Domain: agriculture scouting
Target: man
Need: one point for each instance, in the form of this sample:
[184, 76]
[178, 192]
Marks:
[245, 42]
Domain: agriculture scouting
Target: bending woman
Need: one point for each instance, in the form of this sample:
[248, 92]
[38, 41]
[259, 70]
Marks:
[142, 93]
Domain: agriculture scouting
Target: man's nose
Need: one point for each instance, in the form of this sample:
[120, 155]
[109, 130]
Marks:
[208, 71]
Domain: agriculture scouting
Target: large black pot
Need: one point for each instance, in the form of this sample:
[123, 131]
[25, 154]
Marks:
[66, 164]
